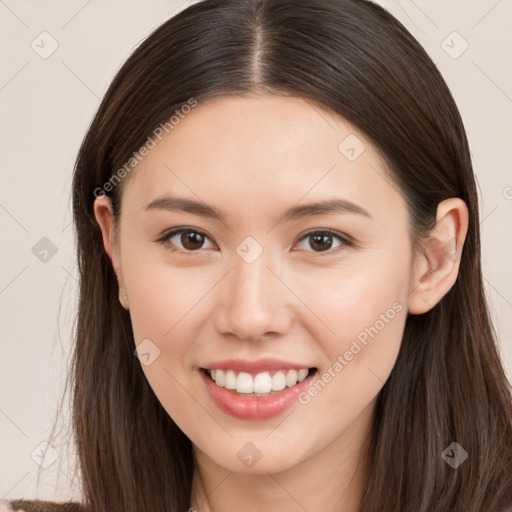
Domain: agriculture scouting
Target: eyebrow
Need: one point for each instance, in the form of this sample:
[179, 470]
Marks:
[331, 206]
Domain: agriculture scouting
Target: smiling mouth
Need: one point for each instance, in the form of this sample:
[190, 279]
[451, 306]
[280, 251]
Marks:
[258, 384]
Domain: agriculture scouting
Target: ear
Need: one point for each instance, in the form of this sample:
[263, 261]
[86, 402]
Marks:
[104, 214]
[436, 268]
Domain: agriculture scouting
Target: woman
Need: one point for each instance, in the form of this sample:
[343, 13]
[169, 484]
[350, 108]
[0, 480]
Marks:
[281, 300]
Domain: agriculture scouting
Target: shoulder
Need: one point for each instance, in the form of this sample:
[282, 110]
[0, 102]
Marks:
[40, 506]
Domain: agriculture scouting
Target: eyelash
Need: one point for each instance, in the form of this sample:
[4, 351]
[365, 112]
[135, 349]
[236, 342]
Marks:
[344, 239]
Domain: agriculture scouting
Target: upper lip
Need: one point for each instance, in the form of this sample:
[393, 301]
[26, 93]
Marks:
[260, 365]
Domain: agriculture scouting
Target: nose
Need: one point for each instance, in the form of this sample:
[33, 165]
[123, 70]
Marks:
[255, 303]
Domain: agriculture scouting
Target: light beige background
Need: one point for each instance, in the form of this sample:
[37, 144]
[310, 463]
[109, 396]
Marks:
[46, 106]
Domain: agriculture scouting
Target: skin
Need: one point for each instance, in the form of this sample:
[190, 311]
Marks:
[253, 158]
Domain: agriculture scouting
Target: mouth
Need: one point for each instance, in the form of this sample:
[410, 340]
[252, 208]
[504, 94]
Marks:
[256, 396]
[258, 384]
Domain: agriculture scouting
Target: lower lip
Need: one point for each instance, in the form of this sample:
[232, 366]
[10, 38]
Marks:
[254, 407]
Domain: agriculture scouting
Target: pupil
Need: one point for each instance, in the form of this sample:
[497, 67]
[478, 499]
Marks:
[192, 240]
[321, 242]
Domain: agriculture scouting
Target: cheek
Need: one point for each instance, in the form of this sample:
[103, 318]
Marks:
[165, 308]
[360, 315]
[349, 300]
[355, 375]
[369, 321]
[163, 298]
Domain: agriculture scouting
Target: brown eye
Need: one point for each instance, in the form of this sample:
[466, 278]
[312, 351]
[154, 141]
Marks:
[323, 241]
[191, 240]
[320, 242]
[186, 240]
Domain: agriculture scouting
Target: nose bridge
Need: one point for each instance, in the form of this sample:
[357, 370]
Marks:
[250, 281]
[253, 304]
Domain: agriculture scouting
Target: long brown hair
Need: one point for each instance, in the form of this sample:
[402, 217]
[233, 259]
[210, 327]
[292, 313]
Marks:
[448, 384]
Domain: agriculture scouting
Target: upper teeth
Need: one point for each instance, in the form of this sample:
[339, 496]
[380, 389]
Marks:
[260, 383]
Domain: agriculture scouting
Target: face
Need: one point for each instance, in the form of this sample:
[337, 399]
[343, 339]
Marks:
[255, 283]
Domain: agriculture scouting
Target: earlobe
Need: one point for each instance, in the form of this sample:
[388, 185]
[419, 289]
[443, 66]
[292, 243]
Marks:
[104, 214]
[437, 268]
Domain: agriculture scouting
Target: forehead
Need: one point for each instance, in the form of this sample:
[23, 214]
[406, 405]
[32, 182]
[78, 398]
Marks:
[262, 151]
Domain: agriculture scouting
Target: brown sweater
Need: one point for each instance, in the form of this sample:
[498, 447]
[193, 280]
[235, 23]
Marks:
[40, 506]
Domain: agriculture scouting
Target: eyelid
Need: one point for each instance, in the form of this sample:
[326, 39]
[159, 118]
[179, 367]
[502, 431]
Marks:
[342, 236]
[347, 241]
[164, 239]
